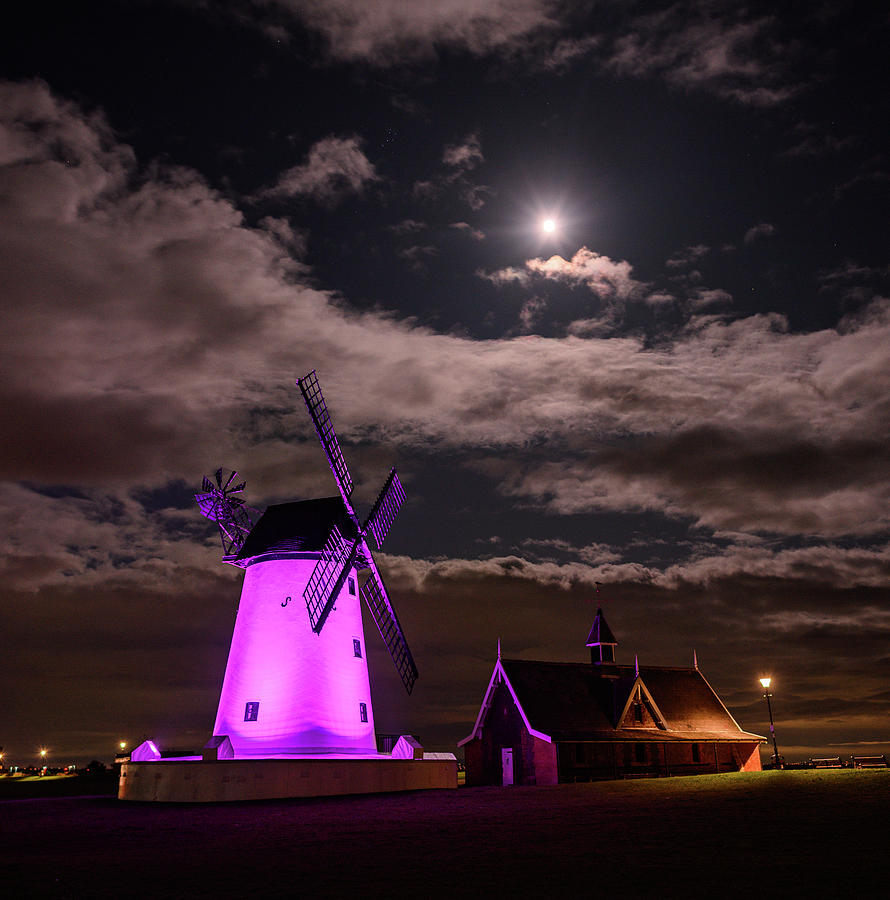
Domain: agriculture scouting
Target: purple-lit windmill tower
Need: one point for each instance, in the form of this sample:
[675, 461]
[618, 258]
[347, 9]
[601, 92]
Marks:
[297, 685]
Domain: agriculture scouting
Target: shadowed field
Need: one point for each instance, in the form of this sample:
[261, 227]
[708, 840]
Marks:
[769, 834]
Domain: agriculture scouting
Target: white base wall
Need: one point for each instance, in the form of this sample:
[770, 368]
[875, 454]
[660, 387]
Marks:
[272, 779]
[288, 691]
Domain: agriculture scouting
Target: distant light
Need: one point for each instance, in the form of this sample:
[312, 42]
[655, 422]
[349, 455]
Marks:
[123, 745]
[43, 753]
[548, 226]
[765, 682]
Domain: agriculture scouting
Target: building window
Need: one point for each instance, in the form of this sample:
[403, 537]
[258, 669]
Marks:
[357, 648]
[640, 753]
[363, 711]
[251, 710]
[580, 756]
[696, 754]
[638, 713]
[351, 583]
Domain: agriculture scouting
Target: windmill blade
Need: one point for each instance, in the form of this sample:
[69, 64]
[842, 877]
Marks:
[230, 513]
[387, 623]
[387, 505]
[327, 578]
[234, 530]
[311, 391]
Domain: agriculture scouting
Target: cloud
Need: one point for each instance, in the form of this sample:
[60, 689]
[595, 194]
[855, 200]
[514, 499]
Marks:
[816, 143]
[605, 277]
[408, 226]
[291, 238]
[469, 230]
[530, 314]
[705, 297]
[740, 482]
[149, 332]
[417, 255]
[610, 281]
[567, 51]
[688, 256]
[507, 275]
[334, 166]
[724, 51]
[465, 155]
[556, 563]
[460, 159]
[389, 31]
[764, 229]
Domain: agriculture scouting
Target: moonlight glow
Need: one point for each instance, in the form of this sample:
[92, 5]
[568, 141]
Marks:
[548, 226]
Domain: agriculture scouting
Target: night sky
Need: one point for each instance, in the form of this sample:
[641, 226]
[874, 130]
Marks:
[681, 393]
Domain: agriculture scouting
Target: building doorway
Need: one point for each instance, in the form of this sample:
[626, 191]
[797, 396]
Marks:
[507, 764]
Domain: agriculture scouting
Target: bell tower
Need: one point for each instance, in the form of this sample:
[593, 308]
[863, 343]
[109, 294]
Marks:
[601, 641]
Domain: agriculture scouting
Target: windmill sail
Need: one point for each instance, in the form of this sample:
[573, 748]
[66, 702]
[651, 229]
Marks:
[339, 557]
[318, 410]
[327, 578]
[390, 630]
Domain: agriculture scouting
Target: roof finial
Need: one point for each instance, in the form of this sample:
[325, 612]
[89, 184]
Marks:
[637, 665]
[499, 648]
[694, 659]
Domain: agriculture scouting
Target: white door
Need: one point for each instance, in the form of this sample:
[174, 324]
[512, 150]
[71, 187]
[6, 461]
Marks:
[507, 764]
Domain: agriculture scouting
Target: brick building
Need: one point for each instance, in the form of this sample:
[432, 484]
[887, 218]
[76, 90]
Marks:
[548, 723]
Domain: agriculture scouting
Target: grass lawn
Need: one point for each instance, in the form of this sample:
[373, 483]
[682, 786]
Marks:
[19, 787]
[771, 834]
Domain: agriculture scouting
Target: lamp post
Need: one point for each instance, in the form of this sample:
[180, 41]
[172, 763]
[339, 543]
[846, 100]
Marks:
[43, 760]
[765, 682]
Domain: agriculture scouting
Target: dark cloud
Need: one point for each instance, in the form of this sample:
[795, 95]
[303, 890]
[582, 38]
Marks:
[391, 31]
[722, 48]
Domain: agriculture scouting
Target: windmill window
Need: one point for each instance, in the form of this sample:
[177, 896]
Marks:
[351, 583]
[357, 648]
[363, 711]
[638, 713]
[696, 753]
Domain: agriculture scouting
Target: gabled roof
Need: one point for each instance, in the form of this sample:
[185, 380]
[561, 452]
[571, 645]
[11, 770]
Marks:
[303, 525]
[581, 701]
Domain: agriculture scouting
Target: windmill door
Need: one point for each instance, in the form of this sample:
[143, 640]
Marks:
[507, 764]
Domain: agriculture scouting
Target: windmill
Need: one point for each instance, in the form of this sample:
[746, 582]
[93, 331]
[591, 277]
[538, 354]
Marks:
[294, 687]
[218, 503]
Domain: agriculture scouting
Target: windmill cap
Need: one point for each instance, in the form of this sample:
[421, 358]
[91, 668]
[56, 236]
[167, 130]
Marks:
[301, 526]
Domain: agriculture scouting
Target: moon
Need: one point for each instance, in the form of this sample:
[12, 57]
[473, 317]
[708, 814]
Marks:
[548, 226]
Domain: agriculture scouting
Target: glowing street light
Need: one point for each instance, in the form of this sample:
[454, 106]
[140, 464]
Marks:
[123, 746]
[765, 683]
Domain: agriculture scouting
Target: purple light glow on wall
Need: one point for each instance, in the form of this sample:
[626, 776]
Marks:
[147, 751]
[305, 689]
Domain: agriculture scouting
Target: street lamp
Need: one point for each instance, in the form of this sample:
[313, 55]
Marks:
[765, 683]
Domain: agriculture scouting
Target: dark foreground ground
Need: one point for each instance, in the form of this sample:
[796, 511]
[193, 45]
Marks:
[770, 834]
